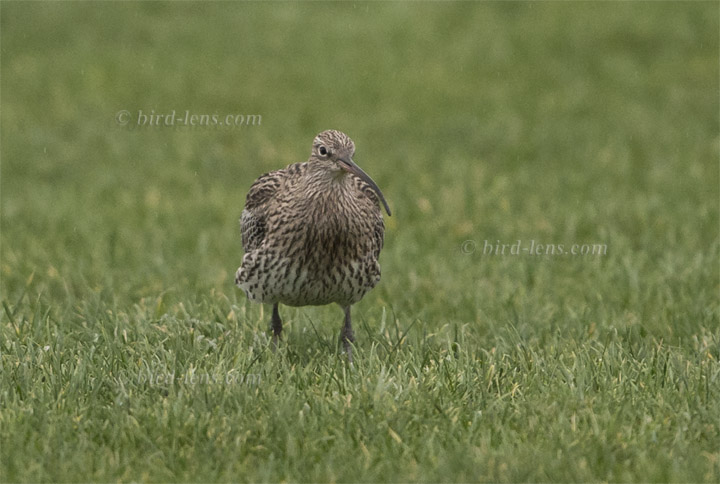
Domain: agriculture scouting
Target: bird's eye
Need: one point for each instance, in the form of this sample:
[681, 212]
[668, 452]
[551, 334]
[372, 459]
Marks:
[322, 150]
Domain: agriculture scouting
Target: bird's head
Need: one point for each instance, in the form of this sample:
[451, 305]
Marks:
[334, 150]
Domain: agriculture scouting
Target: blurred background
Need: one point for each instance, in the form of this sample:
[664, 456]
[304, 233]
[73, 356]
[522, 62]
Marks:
[553, 123]
[559, 123]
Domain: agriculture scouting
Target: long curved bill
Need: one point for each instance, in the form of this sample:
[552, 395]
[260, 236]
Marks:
[349, 165]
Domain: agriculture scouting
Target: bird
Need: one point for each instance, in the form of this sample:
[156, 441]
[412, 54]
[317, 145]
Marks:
[312, 234]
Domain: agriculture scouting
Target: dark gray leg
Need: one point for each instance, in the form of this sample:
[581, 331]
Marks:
[275, 325]
[346, 335]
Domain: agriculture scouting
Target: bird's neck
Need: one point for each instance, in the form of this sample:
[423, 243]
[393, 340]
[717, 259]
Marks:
[328, 180]
[330, 189]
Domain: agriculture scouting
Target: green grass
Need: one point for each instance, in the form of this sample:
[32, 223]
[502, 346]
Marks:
[561, 123]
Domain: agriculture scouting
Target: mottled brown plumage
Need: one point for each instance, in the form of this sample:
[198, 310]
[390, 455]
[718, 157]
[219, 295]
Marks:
[312, 233]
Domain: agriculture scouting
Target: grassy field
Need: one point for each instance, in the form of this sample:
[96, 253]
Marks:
[126, 353]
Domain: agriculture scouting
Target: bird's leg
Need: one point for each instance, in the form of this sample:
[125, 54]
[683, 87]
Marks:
[346, 335]
[275, 325]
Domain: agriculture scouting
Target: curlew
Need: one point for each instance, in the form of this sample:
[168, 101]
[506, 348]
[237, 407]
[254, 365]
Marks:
[312, 234]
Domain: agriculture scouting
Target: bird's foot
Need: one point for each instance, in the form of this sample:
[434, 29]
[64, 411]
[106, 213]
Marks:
[347, 341]
[276, 327]
[347, 336]
[348, 352]
[275, 341]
